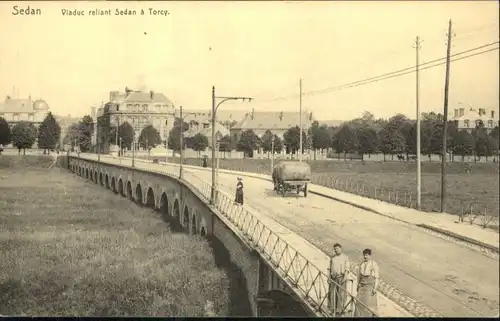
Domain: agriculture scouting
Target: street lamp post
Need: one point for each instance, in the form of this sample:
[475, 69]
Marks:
[166, 142]
[181, 117]
[133, 142]
[217, 146]
[272, 153]
[213, 143]
[181, 156]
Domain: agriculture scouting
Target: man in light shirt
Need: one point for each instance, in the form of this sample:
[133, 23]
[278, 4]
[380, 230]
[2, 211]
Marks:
[341, 282]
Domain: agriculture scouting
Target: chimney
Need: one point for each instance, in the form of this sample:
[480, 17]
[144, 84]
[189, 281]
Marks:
[281, 116]
[253, 113]
[151, 94]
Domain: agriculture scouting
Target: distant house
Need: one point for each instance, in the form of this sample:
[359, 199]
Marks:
[468, 118]
[278, 122]
[199, 122]
[140, 109]
[15, 110]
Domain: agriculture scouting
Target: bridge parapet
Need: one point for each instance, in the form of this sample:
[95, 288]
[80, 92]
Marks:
[308, 282]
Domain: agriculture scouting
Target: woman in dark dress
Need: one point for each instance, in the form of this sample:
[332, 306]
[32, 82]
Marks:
[239, 192]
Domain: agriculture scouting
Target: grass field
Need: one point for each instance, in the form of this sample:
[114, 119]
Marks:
[69, 248]
[468, 184]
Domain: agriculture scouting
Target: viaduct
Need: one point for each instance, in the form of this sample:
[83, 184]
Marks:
[273, 277]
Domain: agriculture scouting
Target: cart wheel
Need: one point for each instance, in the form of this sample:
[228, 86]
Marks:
[305, 190]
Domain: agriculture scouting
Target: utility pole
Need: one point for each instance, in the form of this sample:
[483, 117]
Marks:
[418, 152]
[213, 116]
[181, 156]
[300, 121]
[445, 121]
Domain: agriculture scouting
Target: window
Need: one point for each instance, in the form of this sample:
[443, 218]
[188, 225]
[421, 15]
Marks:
[482, 111]
[466, 123]
[144, 108]
[461, 112]
[492, 114]
[205, 126]
[136, 107]
[30, 117]
[456, 113]
[490, 123]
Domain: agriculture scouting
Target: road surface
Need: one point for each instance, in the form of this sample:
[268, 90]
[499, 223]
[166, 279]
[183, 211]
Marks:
[447, 277]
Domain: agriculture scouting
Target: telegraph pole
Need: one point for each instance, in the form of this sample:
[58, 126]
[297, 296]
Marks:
[214, 111]
[300, 121]
[419, 170]
[445, 121]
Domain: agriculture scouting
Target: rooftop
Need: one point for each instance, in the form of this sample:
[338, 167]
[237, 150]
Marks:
[22, 105]
[273, 120]
[147, 97]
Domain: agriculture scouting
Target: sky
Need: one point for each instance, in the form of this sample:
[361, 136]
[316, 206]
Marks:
[252, 49]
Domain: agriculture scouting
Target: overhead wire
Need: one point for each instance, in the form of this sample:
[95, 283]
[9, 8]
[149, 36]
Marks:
[389, 75]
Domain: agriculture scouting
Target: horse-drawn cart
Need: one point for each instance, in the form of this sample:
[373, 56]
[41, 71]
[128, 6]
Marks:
[290, 176]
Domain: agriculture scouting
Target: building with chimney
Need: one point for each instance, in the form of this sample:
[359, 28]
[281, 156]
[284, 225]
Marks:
[470, 117]
[139, 109]
[15, 110]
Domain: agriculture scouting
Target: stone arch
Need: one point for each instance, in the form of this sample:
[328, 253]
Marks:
[203, 232]
[96, 177]
[120, 188]
[164, 209]
[176, 219]
[185, 218]
[280, 303]
[138, 194]
[86, 173]
[106, 181]
[113, 185]
[91, 177]
[101, 178]
[129, 191]
[150, 199]
[79, 171]
[194, 230]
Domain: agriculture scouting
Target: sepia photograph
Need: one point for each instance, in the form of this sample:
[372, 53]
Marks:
[249, 159]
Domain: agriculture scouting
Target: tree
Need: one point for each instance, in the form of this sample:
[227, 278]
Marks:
[345, 140]
[320, 137]
[248, 142]
[49, 133]
[5, 134]
[463, 144]
[491, 147]
[199, 143]
[24, 136]
[391, 143]
[368, 140]
[495, 133]
[267, 143]
[126, 133]
[225, 144]
[291, 140]
[481, 138]
[409, 132]
[174, 136]
[85, 130]
[149, 137]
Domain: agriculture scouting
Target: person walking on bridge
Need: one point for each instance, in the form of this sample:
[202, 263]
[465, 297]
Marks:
[368, 279]
[238, 199]
[340, 283]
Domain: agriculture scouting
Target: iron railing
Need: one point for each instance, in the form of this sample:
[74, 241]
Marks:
[310, 283]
